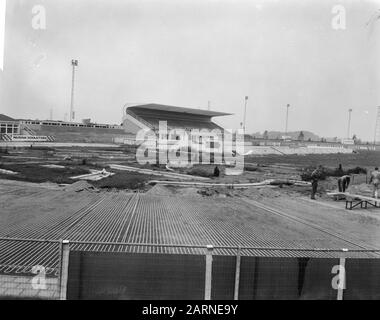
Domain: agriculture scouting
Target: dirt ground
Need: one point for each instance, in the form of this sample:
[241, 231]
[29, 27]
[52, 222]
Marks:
[274, 213]
[285, 206]
[30, 163]
[368, 159]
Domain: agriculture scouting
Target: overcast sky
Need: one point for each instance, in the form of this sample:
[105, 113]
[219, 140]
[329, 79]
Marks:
[186, 53]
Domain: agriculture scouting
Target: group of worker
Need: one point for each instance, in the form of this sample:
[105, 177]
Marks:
[344, 181]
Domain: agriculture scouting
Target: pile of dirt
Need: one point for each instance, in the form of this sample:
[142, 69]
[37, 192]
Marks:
[125, 180]
[160, 190]
[215, 192]
[80, 186]
[268, 193]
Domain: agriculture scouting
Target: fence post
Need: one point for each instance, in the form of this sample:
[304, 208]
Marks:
[342, 278]
[64, 269]
[208, 275]
[237, 274]
[60, 265]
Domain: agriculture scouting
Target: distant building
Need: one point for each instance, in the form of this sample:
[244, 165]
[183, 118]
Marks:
[8, 126]
[22, 130]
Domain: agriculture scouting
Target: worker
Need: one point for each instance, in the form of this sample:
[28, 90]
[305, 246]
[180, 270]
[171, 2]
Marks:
[216, 172]
[343, 183]
[340, 170]
[375, 180]
[315, 176]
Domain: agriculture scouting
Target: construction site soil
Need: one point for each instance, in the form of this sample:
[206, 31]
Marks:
[126, 208]
[260, 220]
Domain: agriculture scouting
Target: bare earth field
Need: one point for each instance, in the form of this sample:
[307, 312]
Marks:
[127, 209]
[368, 159]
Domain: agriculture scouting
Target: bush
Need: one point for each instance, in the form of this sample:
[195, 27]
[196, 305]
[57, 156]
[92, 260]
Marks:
[124, 180]
[201, 172]
[250, 168]
[357, 170]
[306, 174]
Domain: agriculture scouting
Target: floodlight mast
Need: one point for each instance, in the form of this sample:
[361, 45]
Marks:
[74, 64]
[349, 123]
[245, 112]
[287, 119]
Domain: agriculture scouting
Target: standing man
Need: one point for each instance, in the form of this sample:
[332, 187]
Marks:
[315, 177]
[216, 172]
[343, 183]
[375, 180]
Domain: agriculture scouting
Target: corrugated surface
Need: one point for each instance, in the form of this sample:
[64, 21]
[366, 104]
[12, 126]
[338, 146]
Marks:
[165, 220]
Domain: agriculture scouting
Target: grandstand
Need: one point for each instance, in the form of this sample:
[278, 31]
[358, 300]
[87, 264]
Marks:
[148, 116]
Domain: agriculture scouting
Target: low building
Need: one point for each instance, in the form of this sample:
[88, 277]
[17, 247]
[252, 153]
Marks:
[8, 127]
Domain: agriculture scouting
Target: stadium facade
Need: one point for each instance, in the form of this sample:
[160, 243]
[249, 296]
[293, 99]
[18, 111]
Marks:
[26, 130]
[149, 116]
[146, 116]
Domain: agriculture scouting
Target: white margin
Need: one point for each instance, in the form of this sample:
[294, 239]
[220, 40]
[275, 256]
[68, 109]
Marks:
[3, 4]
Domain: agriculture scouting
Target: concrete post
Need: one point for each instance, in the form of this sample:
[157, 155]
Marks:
[237, 274]
[342, 283]
[65, 254]
[208, 275]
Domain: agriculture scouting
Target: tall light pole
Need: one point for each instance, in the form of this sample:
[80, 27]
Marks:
[287, 118]
[349, 123]
[245, 111]
[74, 64]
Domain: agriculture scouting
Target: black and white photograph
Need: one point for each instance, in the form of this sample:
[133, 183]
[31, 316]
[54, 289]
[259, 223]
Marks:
[199, 152]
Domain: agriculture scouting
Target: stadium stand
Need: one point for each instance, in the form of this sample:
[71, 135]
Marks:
[149, 116]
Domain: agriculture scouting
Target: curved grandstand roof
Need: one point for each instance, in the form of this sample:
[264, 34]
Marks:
[161, 107]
